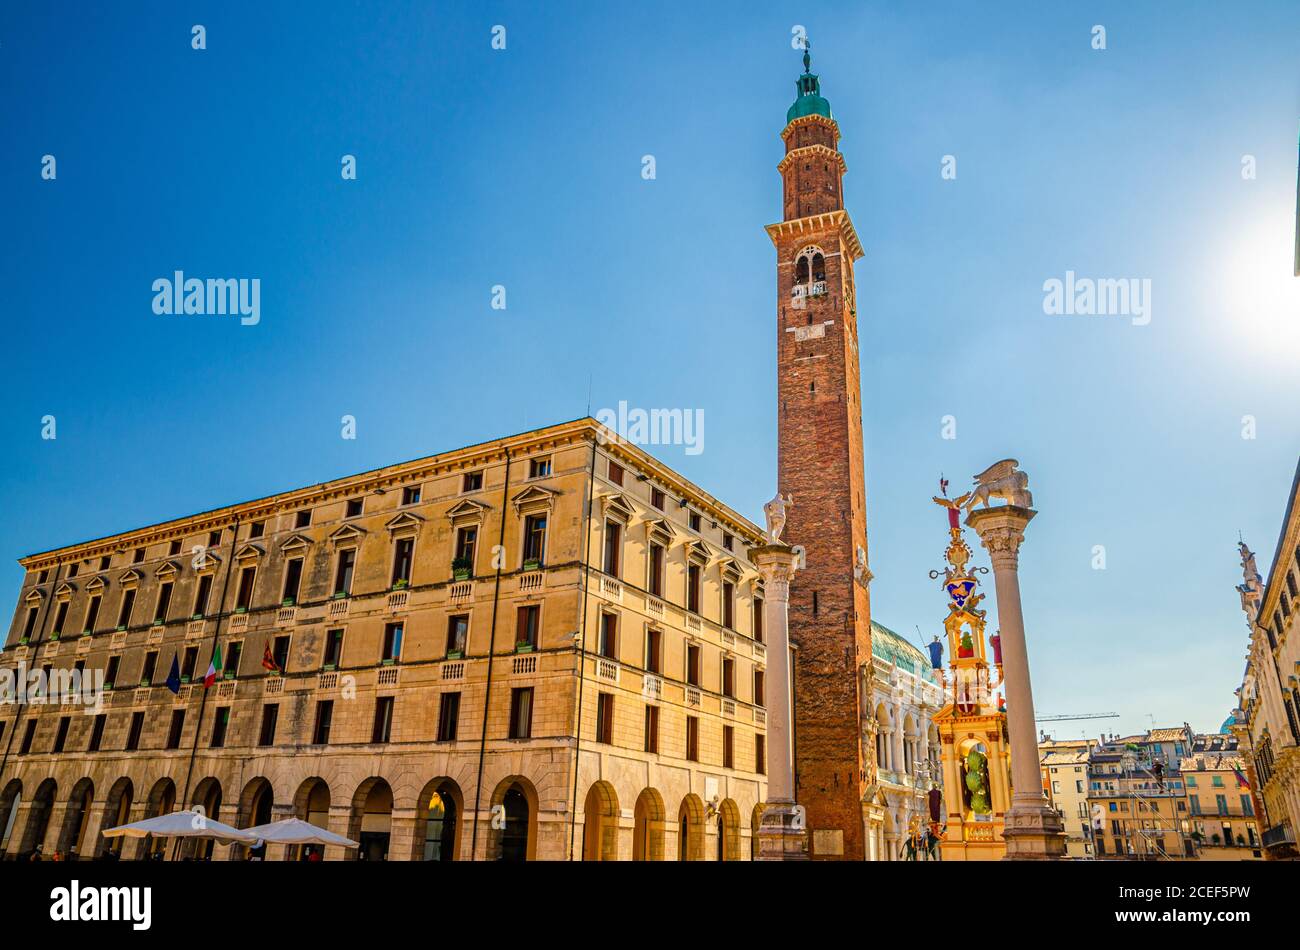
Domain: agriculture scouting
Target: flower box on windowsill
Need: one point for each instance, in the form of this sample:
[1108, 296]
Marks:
[197, 617]
[121, 627]
[241, 610]
[401, 585]
[460, 573]
[24, 641]
[86, 634]
[55, 635]
[389, 661]
[157, 623]
[228, 674]
[455, 654]
[185, 679]
[108, 686]
[340, 594]
[288, 602]
[532, 564]
[329, 667]
[144, 683]
[523, 647]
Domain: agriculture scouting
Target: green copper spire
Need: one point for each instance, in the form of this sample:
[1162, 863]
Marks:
[809, 101]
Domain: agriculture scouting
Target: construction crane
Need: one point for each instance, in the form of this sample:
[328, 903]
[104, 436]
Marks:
[1106, 715]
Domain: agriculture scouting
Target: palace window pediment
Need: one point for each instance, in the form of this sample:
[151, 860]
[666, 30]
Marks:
[294, 543]
[534, 498]
[130, 578]
[617, 505]
[97, 584]
[64, 591]
[249, 552]
[35, 596]
[467, 511]
[348, 534]
[404, 524]
[166, 569]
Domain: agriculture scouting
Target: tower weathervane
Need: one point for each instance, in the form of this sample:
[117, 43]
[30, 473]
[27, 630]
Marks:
[807, 59]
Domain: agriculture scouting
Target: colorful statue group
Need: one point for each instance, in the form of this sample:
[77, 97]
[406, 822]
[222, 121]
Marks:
[977, 783]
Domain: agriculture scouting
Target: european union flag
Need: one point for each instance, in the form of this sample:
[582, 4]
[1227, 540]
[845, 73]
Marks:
[174, 677]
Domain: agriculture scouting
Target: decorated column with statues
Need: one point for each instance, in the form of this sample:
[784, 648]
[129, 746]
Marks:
[782, 831]
[1033, 830]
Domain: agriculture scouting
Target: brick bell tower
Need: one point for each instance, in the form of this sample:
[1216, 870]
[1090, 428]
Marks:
[820, 463]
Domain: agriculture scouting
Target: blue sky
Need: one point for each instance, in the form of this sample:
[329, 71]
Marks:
[522, 167]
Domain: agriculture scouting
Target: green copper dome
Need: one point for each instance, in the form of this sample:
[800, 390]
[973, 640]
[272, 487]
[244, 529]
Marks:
[810, 100]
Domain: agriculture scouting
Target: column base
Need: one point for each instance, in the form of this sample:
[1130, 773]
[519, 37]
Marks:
[782, 833]
[1033, 833]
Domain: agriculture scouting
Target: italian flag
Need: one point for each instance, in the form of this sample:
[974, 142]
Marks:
[210, 676]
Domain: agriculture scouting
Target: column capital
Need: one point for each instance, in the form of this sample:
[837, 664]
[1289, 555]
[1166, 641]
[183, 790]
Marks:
[777, 564]
[1001, 531]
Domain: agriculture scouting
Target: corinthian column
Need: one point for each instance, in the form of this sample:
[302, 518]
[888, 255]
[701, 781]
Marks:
[1032, 830]
[782, 834]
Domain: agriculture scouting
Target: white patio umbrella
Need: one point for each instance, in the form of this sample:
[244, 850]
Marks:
[297, 831]
[181, 824]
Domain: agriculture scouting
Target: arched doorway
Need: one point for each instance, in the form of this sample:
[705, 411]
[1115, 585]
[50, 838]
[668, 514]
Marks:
[600, 824]
[206, 799]
[438, 816]
[372, 819]
[10, 799]
[755, 823]
[117, 811]
[256, 804]
[162, 801]
[517, 838]
[38, 817]
[72, 836]
[311, 803]
[728, 831]
[648, 827]
[690, 829]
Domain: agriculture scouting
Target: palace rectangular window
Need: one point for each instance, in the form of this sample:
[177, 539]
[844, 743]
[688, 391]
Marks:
[355, 507]
[280, 652]
[92, 614]
[128, 607]
[97, 733]
[333, 648]
[609, 636]
[693, 665]
[728, 605]
[526, 625]
[393, 642]
[110, 672]
[534, 540]
[233, 652]
[270, 716]
[302, 519]
[30, 625]
[457, 633]
[138, 556]
[616, 473]
[189, 661]
[695, 521]
[654, 650]
[728, 747]
[133, 733]
[521, 712]
[177, 726]
[174, 548]
[466, 542]
[605, 718]
[403, 555]
[324, 719]
[539, 468]
[383, 728]
[104, 562]
[729, 677]
[652, 729]
[202, 595]
[61, 616]
[164, 601]
[613, 547]
[244, 596]
[760, 754]
[758, 619]
[471, 481]
[692, 738]
[655, 583]
[657, 499]
[214, 540]
[343, 571]
[693, 588]
[220, 722]
[411, 495]
[448, 717]
[760, 689]
[61, 735]
[727, 540]
[257, 529]
[150, 667]
[292, 580]
[30, 733]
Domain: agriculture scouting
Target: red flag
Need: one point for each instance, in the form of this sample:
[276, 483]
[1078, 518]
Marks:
[268, 661]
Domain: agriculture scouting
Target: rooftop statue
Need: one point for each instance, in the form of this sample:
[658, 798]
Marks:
[1002, 480]
[775, 512]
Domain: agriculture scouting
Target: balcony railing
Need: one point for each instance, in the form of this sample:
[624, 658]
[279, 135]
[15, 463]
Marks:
[1278, 835]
